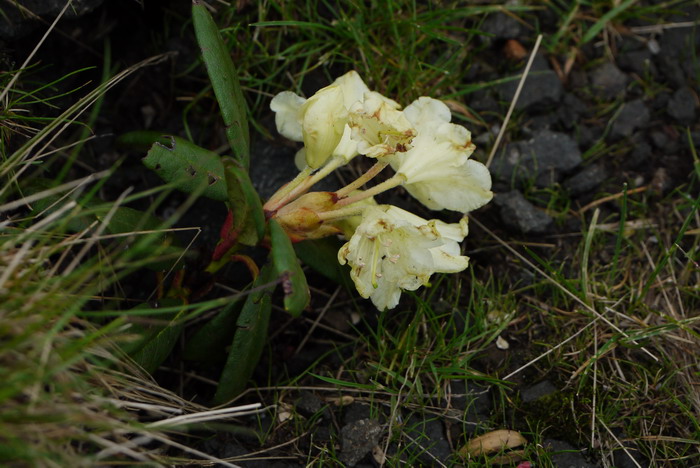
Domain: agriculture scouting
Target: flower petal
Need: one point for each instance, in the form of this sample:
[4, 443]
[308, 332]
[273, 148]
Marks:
[323, 119]
[287, 106]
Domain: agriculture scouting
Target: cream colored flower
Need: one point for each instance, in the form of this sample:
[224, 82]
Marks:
[321, 121]
[437, 168]
[394, 250]
[378, 126]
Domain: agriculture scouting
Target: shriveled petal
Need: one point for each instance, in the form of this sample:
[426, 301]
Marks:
[394, 250]
[323, 119]
[287, 108]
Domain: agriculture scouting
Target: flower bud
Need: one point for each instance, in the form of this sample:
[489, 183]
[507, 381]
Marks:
[300, 219]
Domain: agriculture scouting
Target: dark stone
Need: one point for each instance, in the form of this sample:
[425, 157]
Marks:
[639, 62]
[483, 101]
[426, 440]
[608, 80]
[544, 158]
[521, 215]
[16, 23]
[639, 155]
[564, 455]
[357, 439]
[571, 111]
[309, 404]
[355, 412]
[659, 138]
[660, 101]
[542, 87]
[633, 115]
[272, 166]
[586, 180]
[537, 391]
[629, 457]
[671, 70]
[587, 136]
[499, 27]
[682, 106]
[543, 121]
[474, 401]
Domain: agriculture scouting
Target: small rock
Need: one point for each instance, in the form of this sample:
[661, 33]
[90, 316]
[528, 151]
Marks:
[571, 110]
[639, 62]
[609, 80]
[681, 106]
[356, 411]
[521, 215]
[473, 400]
[671, 70]
[500, 26]
[15, 23]
[542, 87]
[564, 455]
[629, 458]
[639, 155]
[272, 165]
[309, 404]
[537, 391]
[587, 180]
[357, 439]
[633, 115]
[544, 158]
[426, 440]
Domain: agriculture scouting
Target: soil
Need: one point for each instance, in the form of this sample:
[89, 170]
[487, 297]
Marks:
[559, 119]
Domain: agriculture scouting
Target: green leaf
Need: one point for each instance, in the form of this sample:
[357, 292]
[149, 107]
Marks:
[244, 202]
[322, 256]
[249, 339]
[141, 140]
[296, 290]
[224, 80]
[191, 168]
[208, 343]
[157, 341]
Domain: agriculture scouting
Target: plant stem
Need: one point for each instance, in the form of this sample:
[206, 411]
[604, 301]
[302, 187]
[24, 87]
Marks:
[286, 189]
[395, 181]
[363, 179]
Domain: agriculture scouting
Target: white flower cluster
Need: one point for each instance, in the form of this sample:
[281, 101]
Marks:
[389, 249]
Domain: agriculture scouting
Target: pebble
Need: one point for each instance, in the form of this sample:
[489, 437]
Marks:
[521, 215]
[609, 80]
[633, 115]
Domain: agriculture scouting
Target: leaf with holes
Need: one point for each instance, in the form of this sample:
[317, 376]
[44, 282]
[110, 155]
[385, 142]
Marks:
[187, 166]
[287, 267]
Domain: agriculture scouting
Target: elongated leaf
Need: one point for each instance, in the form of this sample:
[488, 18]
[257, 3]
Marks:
[157, 340]
[244, 202]
[224, 80]
[248, 341]
[296, 289]
[191, 168]
[322, 256]
[208, 343]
